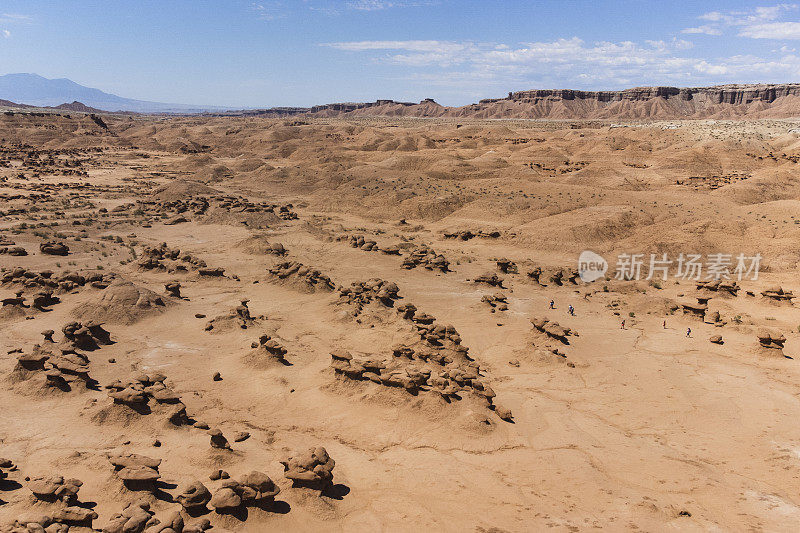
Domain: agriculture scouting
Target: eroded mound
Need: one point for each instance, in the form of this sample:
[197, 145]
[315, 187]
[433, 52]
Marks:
[123, 302]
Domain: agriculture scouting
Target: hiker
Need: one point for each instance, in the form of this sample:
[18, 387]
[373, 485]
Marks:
[623, 325]
[552, 304]
[688, 332]
[665, 324]
[571, 310]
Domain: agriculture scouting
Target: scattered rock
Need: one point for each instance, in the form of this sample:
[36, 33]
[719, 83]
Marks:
[218, 440]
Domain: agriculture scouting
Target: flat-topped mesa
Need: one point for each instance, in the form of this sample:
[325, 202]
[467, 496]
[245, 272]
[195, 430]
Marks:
[696, 102]
[717, 94]
[352, 106]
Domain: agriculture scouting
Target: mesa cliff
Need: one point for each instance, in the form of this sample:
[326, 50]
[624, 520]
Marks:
[720, 101]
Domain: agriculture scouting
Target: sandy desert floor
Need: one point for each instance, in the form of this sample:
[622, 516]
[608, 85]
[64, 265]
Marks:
[194, 294]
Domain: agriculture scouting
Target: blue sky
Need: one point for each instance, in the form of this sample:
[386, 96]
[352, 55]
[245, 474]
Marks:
[281, 52]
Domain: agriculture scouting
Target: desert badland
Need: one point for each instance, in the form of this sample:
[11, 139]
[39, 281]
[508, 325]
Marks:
[352, 321]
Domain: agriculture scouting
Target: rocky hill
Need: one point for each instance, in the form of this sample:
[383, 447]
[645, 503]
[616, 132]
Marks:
[721, 101]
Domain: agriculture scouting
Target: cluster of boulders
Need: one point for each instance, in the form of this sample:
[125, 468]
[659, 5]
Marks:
[164, 258]
[137, 392]
[138, 517]
[427, 258]
[445, 372]
[358, 241]
[719, 285]
[205, 205]
[50, 281]
[41, 300]
[489, 278]
[61, 362]
[241, 204]
[361, 293]
[55, 488]
[466, 235]
[368, 245]
[196, 205]
[552, 329]
[310, 277]
[61, 367]
[54, 248]
[559, 276]
[312, 469]
[84, 336]
[777, 294]
[254, 488]
[497, 301]
[563, 275]
[60, 521]
[437, 362]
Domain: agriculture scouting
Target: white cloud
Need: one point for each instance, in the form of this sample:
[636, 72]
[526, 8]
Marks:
[714, 16]
[758, 23]
[705, 29]
[377, 5]
[772, 30]
[6, 34]
[13, 17]
[369, 5]
[569, 63]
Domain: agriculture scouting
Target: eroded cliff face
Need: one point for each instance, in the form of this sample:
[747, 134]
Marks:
[720, 101]
[719, 94]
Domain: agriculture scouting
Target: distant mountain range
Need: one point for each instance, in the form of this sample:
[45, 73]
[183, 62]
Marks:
[35, 90]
